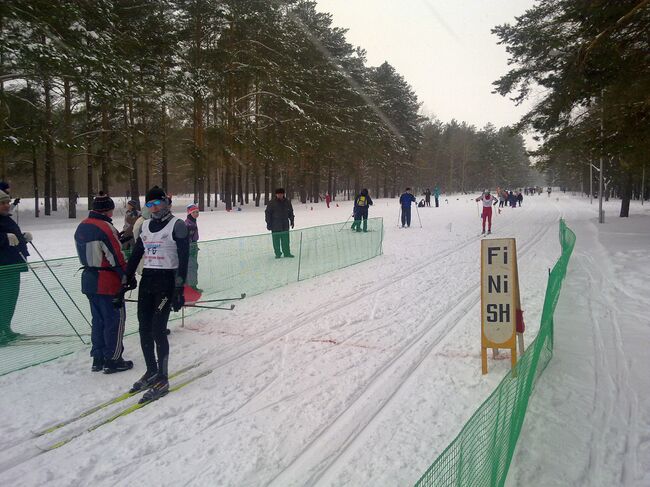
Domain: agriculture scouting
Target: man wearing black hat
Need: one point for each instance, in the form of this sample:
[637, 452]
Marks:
[279, 215]
[100, 253]
[164, 247]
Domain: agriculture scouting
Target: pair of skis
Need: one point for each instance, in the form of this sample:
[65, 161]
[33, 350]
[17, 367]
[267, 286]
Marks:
[115, 400]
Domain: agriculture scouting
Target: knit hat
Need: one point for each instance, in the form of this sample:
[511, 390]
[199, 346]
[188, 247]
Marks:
[155, 193]
[133, 203]
[103, 203]
[192, 207]
[279, 190]
[4, 186]
[4, 196]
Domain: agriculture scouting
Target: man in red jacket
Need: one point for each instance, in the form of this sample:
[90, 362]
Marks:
[104, 270]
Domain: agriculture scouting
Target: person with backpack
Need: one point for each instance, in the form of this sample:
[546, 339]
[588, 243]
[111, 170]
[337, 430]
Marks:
[361, 204]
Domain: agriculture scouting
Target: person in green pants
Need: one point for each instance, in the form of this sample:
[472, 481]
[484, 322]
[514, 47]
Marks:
[279, 215]
[361, 204]
[13, 247]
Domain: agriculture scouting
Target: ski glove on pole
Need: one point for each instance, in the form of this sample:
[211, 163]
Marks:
[178, 299]
[28, 236]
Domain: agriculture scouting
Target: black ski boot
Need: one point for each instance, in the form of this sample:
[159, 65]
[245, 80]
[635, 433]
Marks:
[145, 381]
[158, 389]
[98, 364]
[119, 365]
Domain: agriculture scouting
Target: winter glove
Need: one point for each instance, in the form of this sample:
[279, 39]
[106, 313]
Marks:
[129, 283]
[28, 236]
[291, 224]
[16, 201]
[12, 239]
[178, 299]
[268, 227]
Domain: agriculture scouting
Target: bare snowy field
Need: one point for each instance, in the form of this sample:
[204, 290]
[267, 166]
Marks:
[364, 375]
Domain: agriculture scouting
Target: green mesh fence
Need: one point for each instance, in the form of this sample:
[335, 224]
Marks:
[481, 453]
[53, 316]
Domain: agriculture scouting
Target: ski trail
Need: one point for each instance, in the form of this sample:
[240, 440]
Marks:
[328, 445]
[617, 402]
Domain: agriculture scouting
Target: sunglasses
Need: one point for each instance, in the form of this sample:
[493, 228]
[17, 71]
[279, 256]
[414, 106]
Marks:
[152, 203]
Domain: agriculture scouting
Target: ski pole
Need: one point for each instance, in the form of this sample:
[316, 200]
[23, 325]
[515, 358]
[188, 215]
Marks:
[399, 215]
[52, 298]
[418, 212]
[346, 222]
[60, 284]
[243, 295]
[230, 308]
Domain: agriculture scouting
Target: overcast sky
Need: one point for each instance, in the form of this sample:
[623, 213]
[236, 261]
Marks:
[443, 48]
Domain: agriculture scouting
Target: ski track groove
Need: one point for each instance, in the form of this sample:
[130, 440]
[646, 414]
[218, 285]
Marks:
[301, 320]
[617, 377]
[320, 443]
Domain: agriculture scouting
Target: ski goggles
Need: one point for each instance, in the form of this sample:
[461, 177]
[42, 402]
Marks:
[152, 203]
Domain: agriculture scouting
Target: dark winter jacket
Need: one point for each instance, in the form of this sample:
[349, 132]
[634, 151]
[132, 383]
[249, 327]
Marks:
[192, 228]
[427, 195]
[362, 202]
[279, 214]
[406, 199]
[100, 253]
[8, 254]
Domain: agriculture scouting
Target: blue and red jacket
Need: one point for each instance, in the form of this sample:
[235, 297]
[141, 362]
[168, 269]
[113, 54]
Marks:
[100, 253]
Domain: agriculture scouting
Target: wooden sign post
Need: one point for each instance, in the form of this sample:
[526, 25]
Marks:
[500, 304]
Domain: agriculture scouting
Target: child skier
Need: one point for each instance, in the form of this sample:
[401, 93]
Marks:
[488, 200]
[193, 234]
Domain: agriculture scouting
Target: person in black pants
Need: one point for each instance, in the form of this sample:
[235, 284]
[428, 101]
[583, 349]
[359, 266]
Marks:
[164, 246]
[279, 215]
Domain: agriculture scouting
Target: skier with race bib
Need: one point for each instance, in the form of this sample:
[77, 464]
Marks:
[488, 200]
[163, 245]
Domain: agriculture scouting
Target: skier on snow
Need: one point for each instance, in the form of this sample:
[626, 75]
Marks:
[488, 200]
[361, 204]
[405, 201]
[100, 254]
[164, 246]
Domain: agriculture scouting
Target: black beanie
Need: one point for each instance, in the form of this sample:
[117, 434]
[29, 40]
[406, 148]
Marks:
[155, 193]
[103, 202]
[280, 191]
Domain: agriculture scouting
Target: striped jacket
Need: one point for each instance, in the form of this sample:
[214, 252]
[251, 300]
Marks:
[100, 253]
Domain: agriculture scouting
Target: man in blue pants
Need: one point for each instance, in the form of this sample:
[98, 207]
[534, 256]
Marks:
[405, 201]
[100, 253]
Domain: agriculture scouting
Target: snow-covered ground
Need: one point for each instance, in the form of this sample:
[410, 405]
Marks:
[364, 375]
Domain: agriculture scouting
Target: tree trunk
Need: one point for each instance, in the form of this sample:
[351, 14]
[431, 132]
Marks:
[89, 156]
[626, 194]
[105, 172]
[316, 182]
[267, 181]
[49, 146]
[129, 127]
[67, 121]
[227, 181]
[35, 182]
[163, 139]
